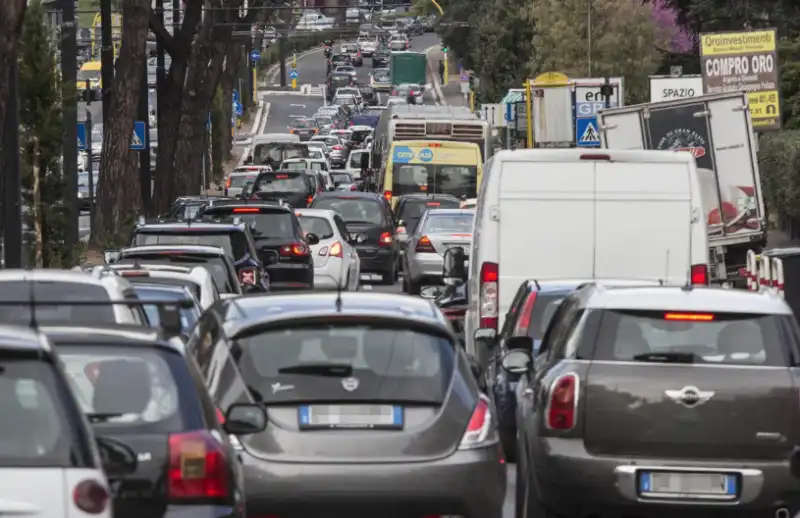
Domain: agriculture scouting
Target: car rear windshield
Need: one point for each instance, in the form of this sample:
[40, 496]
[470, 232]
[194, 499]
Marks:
[342, 177]
[448, 223]
[345, 99]
[447, 179]
[240, 180]
[126, 388]
[303, 123]
[355, 160]
[349, 47]
[353, 210]
[281, 183]
[35, 430]
[294, 166]
[389, 365]
[544, 307]
[146, 293]
[216, 266]
[676, 337]
[341, 79]
[264, 222]
[340, 58]
[324, 121]
[273, 153]
[359, 136]
[321, 227]
[234, 242]
[138, 277]
[73, 315]
[381, 75]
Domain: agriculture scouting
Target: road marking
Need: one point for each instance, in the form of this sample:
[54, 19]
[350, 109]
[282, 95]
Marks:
[297, 105]
[298, 116]
[264, 117]
[367, 287]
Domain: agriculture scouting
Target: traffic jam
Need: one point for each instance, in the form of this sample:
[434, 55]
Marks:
[380, 314]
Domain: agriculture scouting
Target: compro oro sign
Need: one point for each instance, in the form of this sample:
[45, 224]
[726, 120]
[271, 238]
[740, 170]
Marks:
[734, 61]
[668, 88]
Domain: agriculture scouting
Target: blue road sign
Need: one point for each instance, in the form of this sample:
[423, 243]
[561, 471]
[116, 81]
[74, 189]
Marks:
[510, 115]
[255, 56]
[237, 108]
[235, 96]
[139, 139]
[586, 133]
[293, 74]
[82, 136]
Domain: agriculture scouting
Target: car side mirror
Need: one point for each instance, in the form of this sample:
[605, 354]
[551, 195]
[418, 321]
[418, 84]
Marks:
[516, 361]
[169, 316]
[117, 457]
[454, 270]
[522, 343]
[312, 239]
[400, 223]
[332, 188]
[112, 255]
[248, 160]
[245, 419]
[486, 337]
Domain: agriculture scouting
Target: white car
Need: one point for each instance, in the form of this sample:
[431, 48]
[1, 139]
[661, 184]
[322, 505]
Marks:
[368, 46]
[349, 90]
[353, 167]
[318, 145]
[239, 177]
[346, 69]
[197, 279]
[336, 263]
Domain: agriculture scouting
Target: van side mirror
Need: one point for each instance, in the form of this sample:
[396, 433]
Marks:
[454, 270]
[486, 337]
[112, 255]
[170, 318]
[521, 343]
[364, 160]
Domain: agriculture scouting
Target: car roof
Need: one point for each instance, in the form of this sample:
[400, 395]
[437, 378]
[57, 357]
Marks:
[422, 197]
[192, 249]
[22, 338]
[254, 310]
[349, 194]
[119, 335]
[446, 212]
[152, 268]
[194, 225]
[317, 213]
[673, 298]
[294, 160]
[49, 275]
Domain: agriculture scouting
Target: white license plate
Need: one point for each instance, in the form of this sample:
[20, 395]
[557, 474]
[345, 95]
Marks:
[688, 485]
[350, 416]
[465, 247]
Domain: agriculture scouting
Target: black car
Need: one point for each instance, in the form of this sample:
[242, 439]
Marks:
[369, 222]
[380, 58]
[138, 388]
[304, 127]
[368, 95]
[292, 187]
[279, 240]
[186, 207]
[233, 237]
[335, 81]
[411, 207]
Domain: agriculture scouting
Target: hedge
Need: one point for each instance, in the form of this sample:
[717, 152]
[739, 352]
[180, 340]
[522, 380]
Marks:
[779, 163]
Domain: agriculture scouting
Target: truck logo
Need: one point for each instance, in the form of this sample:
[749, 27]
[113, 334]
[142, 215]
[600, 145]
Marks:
[684, 139]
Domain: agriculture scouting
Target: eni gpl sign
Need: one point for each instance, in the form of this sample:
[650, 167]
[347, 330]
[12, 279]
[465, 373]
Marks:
[589, 99]
[734, 61]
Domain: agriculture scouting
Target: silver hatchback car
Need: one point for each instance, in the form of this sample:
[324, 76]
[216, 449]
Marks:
[438, 230]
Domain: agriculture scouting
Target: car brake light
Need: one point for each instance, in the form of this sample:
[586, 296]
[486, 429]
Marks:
[689, 317]
[353, 187]
[245, 209]
[479, 428]
[489, 295]
[198, 468]
[433, 204]
[281, 176]
[334, 251]
[228, 182]
[561, 407]
[524, 321]
[90, 497]
[385, 239]
[425, 246]
[136, 273]
[337, 147]
[295, 249]
[387, 195]
[435, 144]
[220, 416]
[699, 275]
[247, 276]
[309, 199]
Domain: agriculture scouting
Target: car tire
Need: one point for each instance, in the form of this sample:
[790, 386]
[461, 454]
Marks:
[508, 438]
[388, 278]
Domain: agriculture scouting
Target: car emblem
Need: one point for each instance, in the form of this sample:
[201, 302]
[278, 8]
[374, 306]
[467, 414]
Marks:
[350, 384]
[689, 397]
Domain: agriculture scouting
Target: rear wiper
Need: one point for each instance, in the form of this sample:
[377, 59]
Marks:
[666, 357]
[333, 370]
[102, 417]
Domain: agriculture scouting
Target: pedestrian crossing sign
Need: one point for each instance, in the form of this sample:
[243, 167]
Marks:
[586, 134]
[82, 136]
[139, 139]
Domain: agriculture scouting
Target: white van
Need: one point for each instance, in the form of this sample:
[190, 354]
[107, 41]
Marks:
[583, 214]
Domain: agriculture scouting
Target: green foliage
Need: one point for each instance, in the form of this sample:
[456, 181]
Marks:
[789, 68]
[41, 119]
[779, 162]
[300, 43]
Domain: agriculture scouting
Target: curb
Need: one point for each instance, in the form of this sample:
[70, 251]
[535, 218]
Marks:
[438, 96]
[257, 121]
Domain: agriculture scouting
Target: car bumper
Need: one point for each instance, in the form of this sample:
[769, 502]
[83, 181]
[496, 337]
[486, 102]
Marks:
[337, 159]
[379, 262]
[425, 266]
[331, 276]
[468, 483]
[290, 276]
[201, 511]
[572, 481]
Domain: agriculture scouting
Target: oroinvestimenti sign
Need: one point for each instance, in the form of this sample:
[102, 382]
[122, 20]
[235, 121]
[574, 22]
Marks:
[733, 61]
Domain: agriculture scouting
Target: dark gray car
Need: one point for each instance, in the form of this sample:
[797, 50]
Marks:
[659, 401]
[373, 408]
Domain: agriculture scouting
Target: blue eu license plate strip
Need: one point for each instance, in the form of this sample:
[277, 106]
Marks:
[387, 417]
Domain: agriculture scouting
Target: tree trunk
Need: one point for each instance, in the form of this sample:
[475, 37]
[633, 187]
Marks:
[118, 192]
[12, 13]
[227, 82]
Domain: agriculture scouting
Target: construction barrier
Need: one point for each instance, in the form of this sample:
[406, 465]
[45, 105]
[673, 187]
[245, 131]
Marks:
[751, 273]
[764, 272]
[777, 275]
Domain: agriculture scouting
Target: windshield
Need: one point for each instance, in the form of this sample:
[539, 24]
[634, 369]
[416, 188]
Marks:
[449, 179]
[448, 224]
[316, 154]
[282, 183]
[126, 388]
[389, 365]
[340, 80]
[714, 338]
[381, 75]
[304, 123]
[318, 226]
[73, 315]
[544, 307]
[34, 428]
[189, 315]
[240, 180]
[331, 141]
[224, 279]
[350, 48]
[266, 224]
[340, 58]
[341, 177]
[234, 243]
[345, 99]
[324, 121]
[274, 153]
[353, 210]
[191, 286]
[90, 75]
[397, 45]
[359, 136]
[294, 166]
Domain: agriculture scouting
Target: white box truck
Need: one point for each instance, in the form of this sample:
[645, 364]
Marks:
[716, 129]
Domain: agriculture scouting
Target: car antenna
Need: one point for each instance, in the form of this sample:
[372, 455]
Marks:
[32, 299]
[339, 296]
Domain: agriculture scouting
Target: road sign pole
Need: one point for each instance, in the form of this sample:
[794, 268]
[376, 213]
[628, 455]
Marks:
[88, 142]
[446, 72]
[529, 113]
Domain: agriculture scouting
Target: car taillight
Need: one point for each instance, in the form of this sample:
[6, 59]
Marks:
[291, 130]
[247, 276]
[335, 250]
[386, 239]
[489, 295]
[309, 199]
[479, 428]
[337, 147]
[524, 321]
[228, 182]
[295, 249]
[90, 497]
[353, 187]
[699, 275]
[220, 416]
[425, 246]
[563, 402]
[197, 467]
[387, 195]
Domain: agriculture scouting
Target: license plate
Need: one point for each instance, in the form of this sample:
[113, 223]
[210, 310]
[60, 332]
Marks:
[351, 416]
[465, 247]
[688, 485]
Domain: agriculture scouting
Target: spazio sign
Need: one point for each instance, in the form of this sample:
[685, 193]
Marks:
[667, 88]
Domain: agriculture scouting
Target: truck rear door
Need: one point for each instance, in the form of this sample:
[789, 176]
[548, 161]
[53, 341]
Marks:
[621, 129]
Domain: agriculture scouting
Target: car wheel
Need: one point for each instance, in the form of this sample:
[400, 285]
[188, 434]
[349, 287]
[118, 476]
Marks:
[413, 286]
[388, 278]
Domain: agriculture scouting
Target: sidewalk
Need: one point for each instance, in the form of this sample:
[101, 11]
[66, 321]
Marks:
[449, 94]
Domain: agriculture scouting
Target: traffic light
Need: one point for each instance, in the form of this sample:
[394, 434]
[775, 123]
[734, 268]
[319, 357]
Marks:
[444, 48]
[471, 82]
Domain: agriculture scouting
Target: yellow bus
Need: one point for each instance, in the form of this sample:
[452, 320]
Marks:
[90, 71]
[432, 167]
